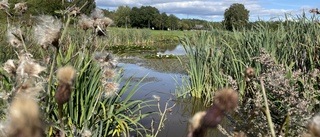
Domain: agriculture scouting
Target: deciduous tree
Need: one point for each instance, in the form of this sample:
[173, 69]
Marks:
[236, 16]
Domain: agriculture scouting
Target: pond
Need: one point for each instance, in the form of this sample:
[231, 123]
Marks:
[163, 76]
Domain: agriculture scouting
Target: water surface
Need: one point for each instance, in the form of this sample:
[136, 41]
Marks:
[163, 76]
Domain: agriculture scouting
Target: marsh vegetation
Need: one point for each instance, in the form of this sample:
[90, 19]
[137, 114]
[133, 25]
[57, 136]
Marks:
[60, 80]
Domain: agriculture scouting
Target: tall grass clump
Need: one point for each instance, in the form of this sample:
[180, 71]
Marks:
[205, 64]
[130, 37]
[285, 59]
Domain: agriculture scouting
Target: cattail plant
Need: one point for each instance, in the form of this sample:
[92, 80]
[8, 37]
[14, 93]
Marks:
[65, 76]
[47, 31]
[225, 101]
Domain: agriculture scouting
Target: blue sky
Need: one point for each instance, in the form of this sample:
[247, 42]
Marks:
[212, 10]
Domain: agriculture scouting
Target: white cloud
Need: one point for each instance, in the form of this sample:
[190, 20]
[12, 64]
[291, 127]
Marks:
[205, 9]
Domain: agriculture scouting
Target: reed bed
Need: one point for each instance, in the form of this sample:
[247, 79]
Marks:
[286, 60]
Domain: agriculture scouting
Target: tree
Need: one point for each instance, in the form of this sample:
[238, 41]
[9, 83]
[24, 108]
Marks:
[172, 22]
[142, 17]
[236, 16]
[122, 16]
[160, 20]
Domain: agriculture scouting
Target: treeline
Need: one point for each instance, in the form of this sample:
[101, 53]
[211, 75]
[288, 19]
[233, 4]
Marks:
[150, 17]
[127, 17]
[48, 7]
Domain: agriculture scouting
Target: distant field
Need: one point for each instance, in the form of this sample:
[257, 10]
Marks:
[164, 34]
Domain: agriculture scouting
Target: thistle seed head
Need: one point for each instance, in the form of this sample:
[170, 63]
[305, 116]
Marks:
[226, 99]
[4, 5]
[14, 36]
[47, 31]
[107, 21]
[106, 59]
[24, 56]
[110, 88]
[10, 67]
[108, 73]
[97, 13]
[24, 117]
[196, 121]
[20, 7]
[74, 11]
[85, 22]
[29, 68]
[249, 73]
[66, 74]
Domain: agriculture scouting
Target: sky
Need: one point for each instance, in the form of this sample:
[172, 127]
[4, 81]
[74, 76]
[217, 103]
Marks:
[213, 10]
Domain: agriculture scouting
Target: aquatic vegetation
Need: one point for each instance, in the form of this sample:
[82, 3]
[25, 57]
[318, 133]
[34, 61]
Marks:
[241, 59]
[159, 56]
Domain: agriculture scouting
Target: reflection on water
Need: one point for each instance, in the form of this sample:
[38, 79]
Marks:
[177, 50]
[163, 84]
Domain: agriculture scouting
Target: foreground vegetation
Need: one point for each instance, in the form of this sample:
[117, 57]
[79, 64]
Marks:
[285, 59]
[62, 81]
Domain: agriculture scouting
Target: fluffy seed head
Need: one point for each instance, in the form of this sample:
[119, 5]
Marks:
[106, 59]
[10, 67]
[24, 56]
[108, 73]
[66, 74]
[249, 73]
[86, 133]
[85, 22]
[29, 68]
[110, 88]
[47, 31]
[74, 11]
[20, 7]
[4, 5]
[107, 21]
[196, 121]
[24, 117]
[14, 36]
[97, 13]
[226, 99]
